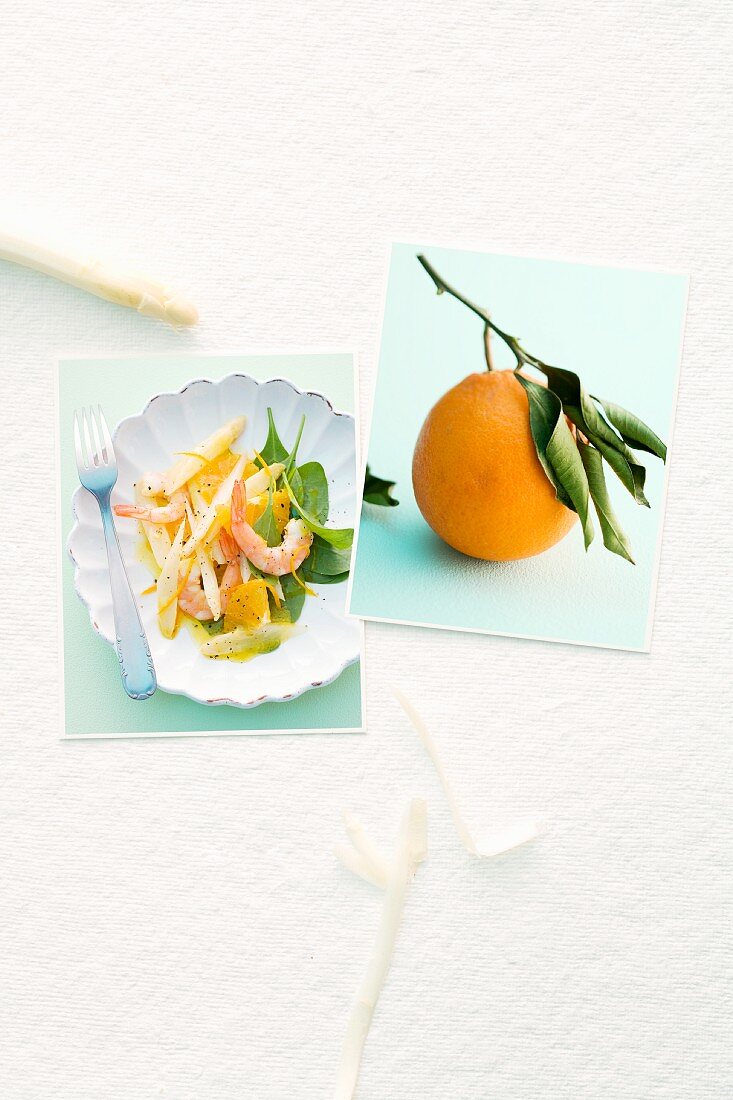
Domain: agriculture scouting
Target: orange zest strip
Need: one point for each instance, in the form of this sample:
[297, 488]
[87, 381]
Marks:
[193, 454]
[275, 596]
[265, 465]
[303, 585]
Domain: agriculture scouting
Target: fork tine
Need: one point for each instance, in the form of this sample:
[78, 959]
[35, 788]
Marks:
[98, 460]
[109, 453]
[80, 457]
[87, 437]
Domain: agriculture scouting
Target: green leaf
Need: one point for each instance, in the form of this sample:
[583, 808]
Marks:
[266, 526]
[630, 473]
[296, 484]
[290, 460]
[314, 495]
[542, 422]
[326, 578]
[325, 559]
[633, 430]
[556, 449]
[580, 407]
[212, 627]
[378, 491]
[340, 537]
[274, 450]
[294, 596]
[614, 537]
[278, 614]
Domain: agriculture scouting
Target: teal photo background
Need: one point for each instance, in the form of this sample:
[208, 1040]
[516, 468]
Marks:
[621, 331]
[94, 702]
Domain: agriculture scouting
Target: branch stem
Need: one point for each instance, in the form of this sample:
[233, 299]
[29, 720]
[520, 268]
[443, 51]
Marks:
[522, 357]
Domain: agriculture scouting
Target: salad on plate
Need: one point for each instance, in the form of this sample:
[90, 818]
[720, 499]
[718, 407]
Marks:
[237, 542]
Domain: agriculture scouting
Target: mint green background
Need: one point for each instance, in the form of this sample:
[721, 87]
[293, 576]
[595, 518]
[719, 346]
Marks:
[621, 331]
[95, 703]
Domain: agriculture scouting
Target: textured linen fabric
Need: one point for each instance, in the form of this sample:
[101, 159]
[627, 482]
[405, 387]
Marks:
[172, 921]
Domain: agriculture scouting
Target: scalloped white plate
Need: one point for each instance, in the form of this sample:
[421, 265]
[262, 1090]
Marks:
[173, 422]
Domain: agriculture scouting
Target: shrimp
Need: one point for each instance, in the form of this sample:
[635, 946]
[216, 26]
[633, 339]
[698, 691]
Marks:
[168, 513]
[276, 560]
[232, 575]
[231, 578]
[192, 600]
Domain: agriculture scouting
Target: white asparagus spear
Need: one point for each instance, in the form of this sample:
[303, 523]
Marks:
[411, 846]
[168, 586]
[96, 277]
[496, 841]
[366, 847]
[158, 538]
[190, 464]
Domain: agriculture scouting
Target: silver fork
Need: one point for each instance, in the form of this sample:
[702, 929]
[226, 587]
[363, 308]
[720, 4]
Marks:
[97, 466]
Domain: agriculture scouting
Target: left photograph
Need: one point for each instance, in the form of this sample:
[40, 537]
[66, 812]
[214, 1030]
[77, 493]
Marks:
[207, 507]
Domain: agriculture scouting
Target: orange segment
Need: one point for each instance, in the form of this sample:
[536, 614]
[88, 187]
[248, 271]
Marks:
[248, 605]
[280, 508]
[208, 480]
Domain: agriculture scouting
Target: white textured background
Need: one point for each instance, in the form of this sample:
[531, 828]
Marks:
[172, 923]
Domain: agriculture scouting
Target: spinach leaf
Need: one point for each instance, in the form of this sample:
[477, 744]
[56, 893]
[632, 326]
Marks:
[290, 460]
[314, 494]
[294, 596]
[266, 526]
[340, 537]
[325, 578]
[325, 559]
[274, 450]
[296, 484]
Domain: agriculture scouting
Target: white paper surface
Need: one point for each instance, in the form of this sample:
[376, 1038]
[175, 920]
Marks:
[172, 921]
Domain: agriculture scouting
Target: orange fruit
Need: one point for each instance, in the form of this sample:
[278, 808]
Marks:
[476, 475]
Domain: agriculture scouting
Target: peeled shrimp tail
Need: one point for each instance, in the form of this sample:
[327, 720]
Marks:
[229, 548]
[168, 513]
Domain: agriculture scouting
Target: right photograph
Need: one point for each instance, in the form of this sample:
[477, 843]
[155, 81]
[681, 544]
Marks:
[519, 447]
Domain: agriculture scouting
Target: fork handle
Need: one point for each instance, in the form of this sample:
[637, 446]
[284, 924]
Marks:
[133, 652]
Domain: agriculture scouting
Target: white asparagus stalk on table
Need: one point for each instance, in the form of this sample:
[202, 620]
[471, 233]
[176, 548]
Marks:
[98, 278]
[357, 863]
[496, 841]
[368, 855]
[411, 849]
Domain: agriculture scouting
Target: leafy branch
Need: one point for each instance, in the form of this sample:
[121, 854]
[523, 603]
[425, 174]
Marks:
[603, 431]
[378, 491]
